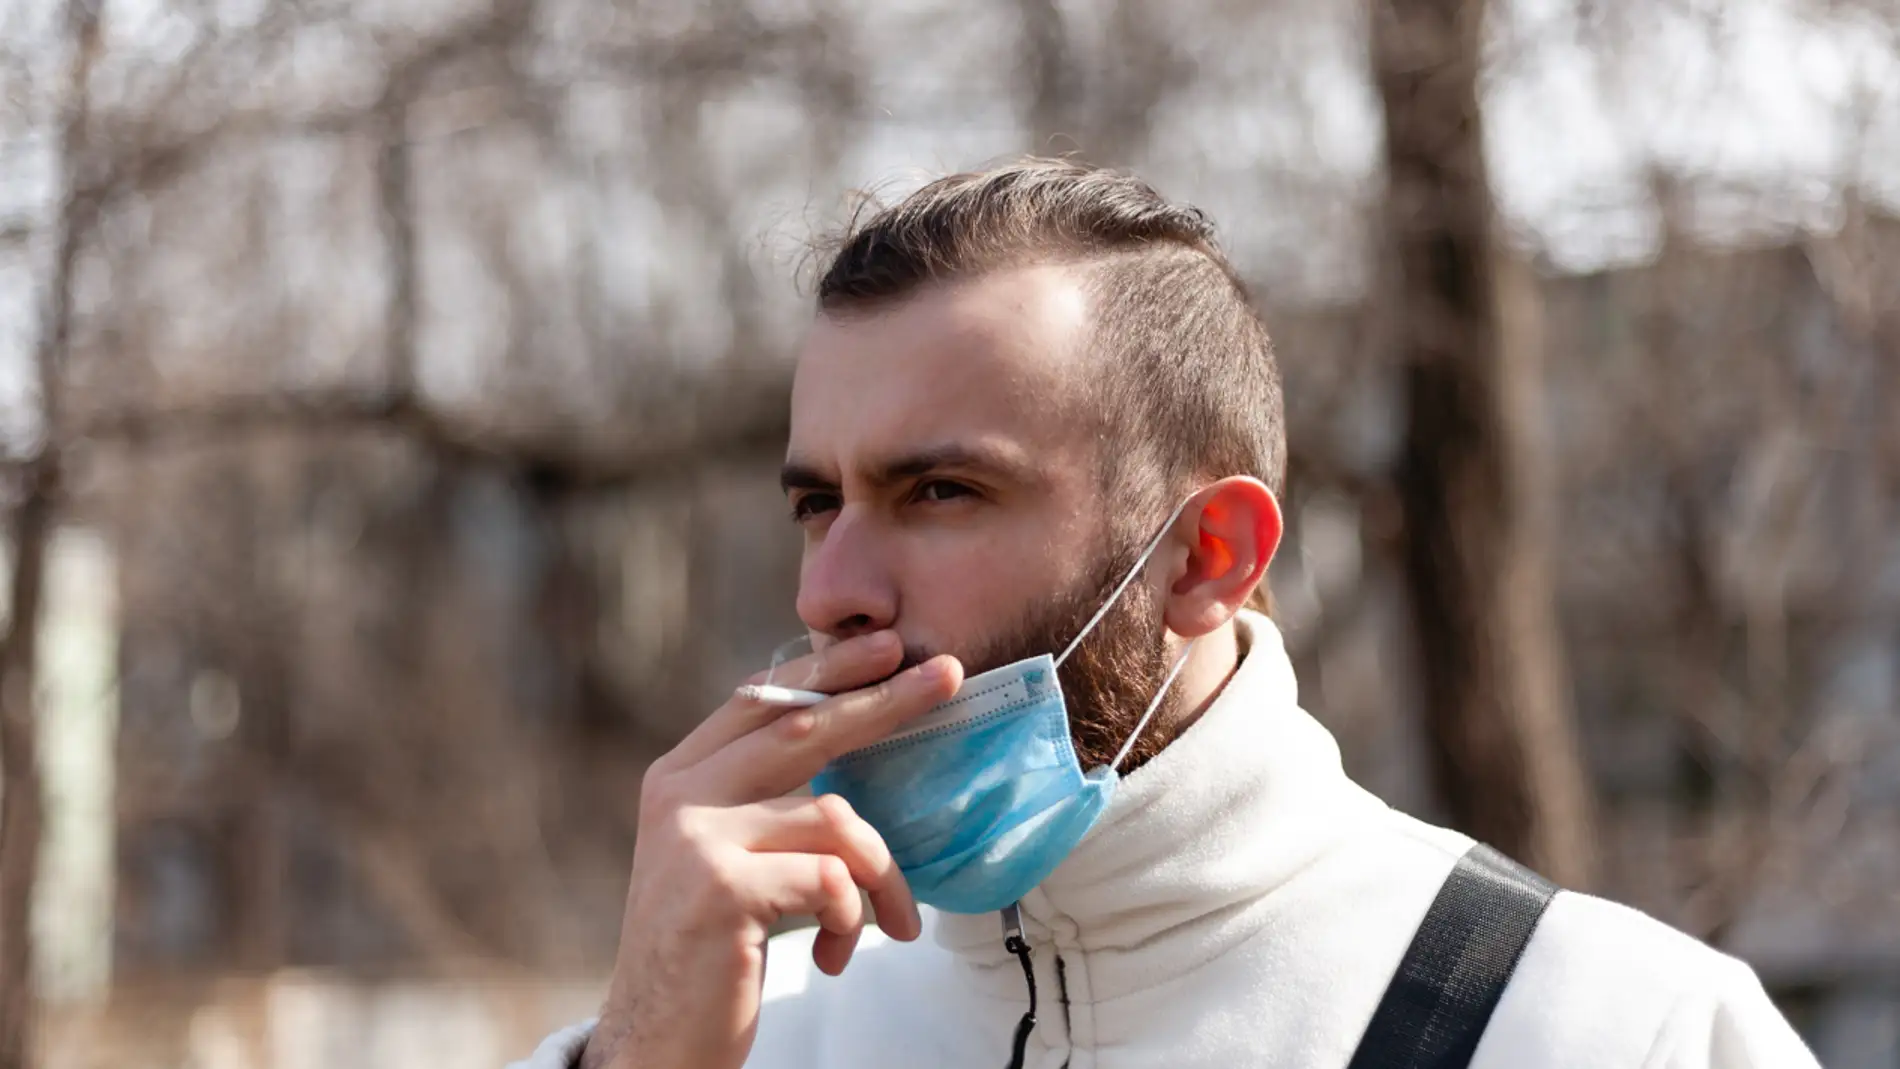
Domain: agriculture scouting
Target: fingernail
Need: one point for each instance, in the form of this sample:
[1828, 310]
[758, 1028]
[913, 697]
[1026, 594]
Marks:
[933, 671]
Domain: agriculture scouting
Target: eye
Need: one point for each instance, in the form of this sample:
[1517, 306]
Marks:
[941, 490]
[806, 507]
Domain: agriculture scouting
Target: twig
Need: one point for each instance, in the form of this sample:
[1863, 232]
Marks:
[761, 426]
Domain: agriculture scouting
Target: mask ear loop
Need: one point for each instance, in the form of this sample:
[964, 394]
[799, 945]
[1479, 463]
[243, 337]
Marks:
[1127, 579]
[1153, 704]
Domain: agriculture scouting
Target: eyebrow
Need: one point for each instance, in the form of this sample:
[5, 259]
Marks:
[1005, 463]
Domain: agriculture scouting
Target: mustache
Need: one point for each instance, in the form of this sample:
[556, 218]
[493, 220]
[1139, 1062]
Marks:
[974, 664]
[916, 655]
[913, 656]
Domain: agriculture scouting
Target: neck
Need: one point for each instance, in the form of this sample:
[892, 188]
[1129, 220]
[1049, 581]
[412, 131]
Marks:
[1202, 679]
[1176, 871]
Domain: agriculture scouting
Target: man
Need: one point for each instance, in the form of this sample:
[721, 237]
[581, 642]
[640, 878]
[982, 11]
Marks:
[1036, 414]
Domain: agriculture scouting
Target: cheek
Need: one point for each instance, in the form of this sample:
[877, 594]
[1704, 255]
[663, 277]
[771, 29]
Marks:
[957, 592]
[947, 586]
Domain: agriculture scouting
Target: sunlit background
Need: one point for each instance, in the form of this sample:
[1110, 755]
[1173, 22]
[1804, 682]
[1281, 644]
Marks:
[391, 396]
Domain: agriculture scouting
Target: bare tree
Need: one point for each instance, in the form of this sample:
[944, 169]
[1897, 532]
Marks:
[22, 804]
[1476, 564]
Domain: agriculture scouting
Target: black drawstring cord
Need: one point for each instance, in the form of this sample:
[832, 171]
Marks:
[1014, 942]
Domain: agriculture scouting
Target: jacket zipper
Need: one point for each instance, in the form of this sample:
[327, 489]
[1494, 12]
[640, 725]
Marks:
[1014, 942]
[1062, 990]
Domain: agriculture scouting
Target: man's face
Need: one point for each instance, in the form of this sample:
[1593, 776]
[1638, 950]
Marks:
[943, 465]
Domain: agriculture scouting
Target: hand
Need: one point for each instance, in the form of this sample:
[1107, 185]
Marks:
[724, 850]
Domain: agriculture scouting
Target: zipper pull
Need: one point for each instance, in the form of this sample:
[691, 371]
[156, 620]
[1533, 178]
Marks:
[1013, 929]
[1014, 942]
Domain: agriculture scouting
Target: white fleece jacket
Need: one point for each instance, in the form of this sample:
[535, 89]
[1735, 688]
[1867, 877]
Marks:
[1242, 903]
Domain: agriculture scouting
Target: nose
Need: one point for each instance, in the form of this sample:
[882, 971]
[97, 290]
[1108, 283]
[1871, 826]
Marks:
[844, 588]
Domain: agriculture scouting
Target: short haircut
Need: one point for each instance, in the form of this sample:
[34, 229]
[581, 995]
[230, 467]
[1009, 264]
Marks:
[1191, 390]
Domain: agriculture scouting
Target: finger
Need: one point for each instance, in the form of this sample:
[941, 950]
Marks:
[848, 665]
[845, 666]
[831, 952]
[803, 671]
[828, 825]
[818, 885]
[779, 757]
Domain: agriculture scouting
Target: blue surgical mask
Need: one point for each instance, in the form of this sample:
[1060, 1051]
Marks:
[982, 797]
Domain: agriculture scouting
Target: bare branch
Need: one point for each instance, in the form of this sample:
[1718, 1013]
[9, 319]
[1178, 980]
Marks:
[571, 467]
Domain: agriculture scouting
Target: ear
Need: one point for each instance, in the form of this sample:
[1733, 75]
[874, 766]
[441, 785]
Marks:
[1230, 531]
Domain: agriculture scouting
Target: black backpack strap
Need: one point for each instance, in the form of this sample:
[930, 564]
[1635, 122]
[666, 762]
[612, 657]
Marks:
[1455, 971]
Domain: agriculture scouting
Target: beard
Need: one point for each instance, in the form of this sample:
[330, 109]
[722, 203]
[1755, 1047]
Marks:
[1113, 674]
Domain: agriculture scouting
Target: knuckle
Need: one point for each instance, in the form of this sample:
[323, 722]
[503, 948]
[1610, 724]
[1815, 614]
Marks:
[687, 825]
[870, 702]
[709, 888]
[836, 814]
[852, 663]
[888, 703]
[844, 657]
[724, 875]
[834, 878]
[899, 690]
[666, 836]
[878, 856]
[658, 793]
[797, 725]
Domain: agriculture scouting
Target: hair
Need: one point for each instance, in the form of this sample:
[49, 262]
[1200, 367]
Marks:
[1190, 389]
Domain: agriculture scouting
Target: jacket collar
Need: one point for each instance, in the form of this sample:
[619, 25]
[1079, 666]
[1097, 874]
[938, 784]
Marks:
[1247, 796]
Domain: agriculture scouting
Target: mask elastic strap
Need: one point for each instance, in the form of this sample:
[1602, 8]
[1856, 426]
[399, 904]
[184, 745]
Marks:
[1153, 704]
[1127, 579]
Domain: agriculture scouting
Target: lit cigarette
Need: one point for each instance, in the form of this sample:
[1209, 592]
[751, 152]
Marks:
[786, 696]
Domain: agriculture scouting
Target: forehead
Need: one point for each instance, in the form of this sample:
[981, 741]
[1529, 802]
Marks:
[999, 358]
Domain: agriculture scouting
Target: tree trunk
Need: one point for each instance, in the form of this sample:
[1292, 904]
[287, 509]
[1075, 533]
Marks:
[21, 798]
[1049, 65]
[22, 801]
[1504, 748]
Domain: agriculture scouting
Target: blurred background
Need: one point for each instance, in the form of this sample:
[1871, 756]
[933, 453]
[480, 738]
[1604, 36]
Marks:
[391, 395]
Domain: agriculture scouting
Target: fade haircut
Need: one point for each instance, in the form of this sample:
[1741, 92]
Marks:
[1190, 390]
